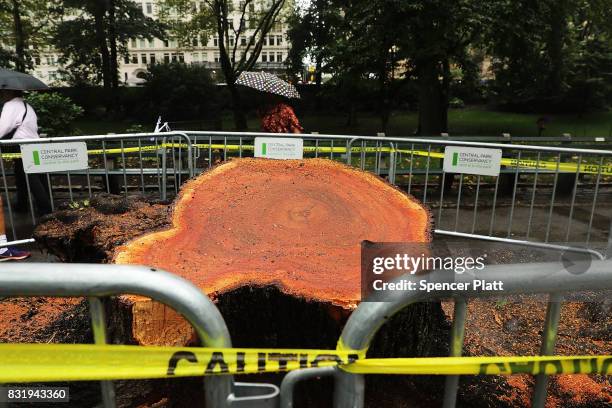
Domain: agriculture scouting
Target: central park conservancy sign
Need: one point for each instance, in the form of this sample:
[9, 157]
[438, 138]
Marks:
[279, 148]
[472, 160]
[51, 157]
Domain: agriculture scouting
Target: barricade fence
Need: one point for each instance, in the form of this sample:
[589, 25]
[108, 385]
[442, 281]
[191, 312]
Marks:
[151, 164]
[347, 364]
[543, 193]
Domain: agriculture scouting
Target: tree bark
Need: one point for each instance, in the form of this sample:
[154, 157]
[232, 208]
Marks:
[432, 110]
[20, 61]
[102, 40]
[237, 108]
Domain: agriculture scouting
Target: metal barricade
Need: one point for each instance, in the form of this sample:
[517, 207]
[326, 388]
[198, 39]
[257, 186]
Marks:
[143, 163]
[95, 281]
[544, 194]
[367, 319]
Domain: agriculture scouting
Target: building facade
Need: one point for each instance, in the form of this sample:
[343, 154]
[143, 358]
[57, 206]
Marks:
[143, 52]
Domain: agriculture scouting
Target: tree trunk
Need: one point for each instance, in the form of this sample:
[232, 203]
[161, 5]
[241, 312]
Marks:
[20, 62]
[239, 117]
[113, 67]
[558, 25]
[101, 39]
[432, 112]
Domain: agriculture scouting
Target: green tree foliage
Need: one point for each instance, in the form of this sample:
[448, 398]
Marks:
[56, 113]
[312, 33]
[240, 40]
[24, 28]
[180, 92]
[94, 34]
[550, 54]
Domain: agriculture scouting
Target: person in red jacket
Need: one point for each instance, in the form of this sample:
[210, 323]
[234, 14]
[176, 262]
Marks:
[278, 117]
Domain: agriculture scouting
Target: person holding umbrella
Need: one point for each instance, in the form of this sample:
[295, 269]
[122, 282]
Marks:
[18, 121]
[276, 116]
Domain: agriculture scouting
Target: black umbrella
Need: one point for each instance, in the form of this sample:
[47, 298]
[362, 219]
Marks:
[18, 81]
[265, 82]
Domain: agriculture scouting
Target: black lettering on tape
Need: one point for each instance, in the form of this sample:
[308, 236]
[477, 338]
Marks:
[261, 362]
[216, 359]
[283, 359]
[178, 356]
[240, 362]
[303, 360]
[605, 365]
[517, 367]
[555, 363]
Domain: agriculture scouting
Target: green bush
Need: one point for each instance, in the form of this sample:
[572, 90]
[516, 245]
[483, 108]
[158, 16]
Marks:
[56, 113]
[180, 92]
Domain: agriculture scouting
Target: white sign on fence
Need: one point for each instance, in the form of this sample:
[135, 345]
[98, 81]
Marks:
[50, 157]
[279, 148]
[472, 160]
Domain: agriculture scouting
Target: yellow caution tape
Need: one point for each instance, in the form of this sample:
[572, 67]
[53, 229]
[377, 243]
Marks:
[585, 168]
[69, 362]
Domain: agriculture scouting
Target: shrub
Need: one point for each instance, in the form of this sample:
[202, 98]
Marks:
[56, 113]
[178, 91]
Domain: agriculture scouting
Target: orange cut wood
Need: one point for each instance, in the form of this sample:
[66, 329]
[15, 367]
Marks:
[294, 224]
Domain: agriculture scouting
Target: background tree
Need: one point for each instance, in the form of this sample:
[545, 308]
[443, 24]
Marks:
[550, 55]
[24, 25]
[96, 35]
[240, 28]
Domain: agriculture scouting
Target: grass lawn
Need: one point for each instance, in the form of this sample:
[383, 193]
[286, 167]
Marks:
[473, 121]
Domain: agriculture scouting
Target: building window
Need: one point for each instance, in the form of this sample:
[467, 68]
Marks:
[181, 57]
[37, 60]
[134, 59]
[151, 43]
[231, 42]
[195, 42]
[271, 57]
[265, 41]
[49, 59]
[166, 58]
[52, 75]
[279, 40]
[251, 7]
[166, 43]
[204, 56]
[134, 43]
[279, 57]
[143, 58]
[216, 57]
[126, 59]
[142, 43]
[271, 40]
[264, 57]
[149, 8]
[152, 59]
[125, 76]
[196, 57]
[216, 42]
[174, 57]
[243, 41]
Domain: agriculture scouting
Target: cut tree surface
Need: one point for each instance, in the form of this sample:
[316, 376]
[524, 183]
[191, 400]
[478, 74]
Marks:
[295, 225]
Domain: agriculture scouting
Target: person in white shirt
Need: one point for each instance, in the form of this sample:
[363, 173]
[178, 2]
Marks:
[18, 121]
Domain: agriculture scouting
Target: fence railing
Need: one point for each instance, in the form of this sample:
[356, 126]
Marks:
[367, 319]
[544, 194]
[96, 281]
[146, 163]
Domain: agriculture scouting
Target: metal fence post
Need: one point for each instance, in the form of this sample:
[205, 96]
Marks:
[98, 326]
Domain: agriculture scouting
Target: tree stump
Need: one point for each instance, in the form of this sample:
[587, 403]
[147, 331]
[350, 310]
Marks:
[295, 226]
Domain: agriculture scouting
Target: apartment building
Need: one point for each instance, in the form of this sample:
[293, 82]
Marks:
[203, 51]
